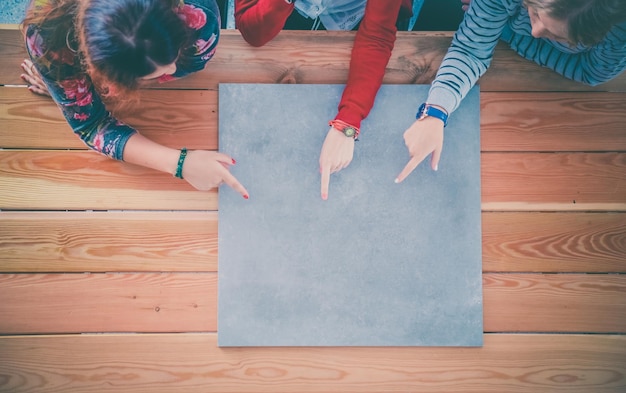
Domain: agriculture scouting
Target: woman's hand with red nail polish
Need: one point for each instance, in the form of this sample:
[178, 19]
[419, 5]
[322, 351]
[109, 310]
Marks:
[208, 169]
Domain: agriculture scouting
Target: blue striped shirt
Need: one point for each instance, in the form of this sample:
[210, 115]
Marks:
[487, 21]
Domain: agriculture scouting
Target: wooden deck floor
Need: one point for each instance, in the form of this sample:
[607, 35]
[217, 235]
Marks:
[108, 272]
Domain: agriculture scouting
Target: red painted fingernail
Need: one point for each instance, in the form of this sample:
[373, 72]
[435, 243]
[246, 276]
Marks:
[246, 196]
[233, 160]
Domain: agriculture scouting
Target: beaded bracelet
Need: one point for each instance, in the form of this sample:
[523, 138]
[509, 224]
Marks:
[181, 161]
[341, 125]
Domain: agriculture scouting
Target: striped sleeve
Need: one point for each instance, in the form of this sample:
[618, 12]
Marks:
[471, 51]
[593, 65]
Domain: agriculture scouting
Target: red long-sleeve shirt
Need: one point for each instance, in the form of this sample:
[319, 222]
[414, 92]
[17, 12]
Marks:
[259, 21]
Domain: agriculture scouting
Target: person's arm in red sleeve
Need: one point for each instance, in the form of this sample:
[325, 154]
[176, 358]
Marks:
[371, 52]
[259, 21]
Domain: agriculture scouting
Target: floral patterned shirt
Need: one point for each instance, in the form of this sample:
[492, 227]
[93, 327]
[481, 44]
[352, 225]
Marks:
[72, 89]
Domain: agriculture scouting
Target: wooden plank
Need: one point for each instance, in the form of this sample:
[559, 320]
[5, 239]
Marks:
[30, 120]
[181, 241]
[108, 241]
[166, 302]
[554, 242]
[560, 181]
[12, 53]
[75, 180]
[323, 57]
[509, 121]
[170, 117]
[518, 363]
[113, 302]
[554, 302]
[553, 122]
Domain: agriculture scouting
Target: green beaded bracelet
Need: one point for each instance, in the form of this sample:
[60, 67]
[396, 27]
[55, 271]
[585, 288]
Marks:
[181, 161]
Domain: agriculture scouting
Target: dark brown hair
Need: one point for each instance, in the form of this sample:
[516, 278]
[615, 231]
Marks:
[588, 21]
[118, 41]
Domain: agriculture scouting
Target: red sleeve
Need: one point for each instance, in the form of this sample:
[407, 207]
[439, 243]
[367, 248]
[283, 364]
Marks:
[261, 20]
[371, 52]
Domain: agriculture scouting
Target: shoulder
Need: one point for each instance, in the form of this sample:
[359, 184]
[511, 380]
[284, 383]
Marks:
[35, 42]
[53, 61]
[511, 7]
[205, 9]
[200, 16]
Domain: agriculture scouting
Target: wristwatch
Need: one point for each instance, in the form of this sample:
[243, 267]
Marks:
[349, 131]
[426, 110]
[345, 128]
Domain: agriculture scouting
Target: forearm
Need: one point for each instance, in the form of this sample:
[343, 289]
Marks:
[595, 65]
[470, 52]
[140, 150]
[259, 21]
[373, 44]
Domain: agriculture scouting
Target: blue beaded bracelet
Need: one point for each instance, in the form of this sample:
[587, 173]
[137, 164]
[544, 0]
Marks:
[181, 161]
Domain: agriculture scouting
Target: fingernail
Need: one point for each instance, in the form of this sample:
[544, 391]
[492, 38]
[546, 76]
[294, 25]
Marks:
[246, 196]
[396, 180]
[233, 160]
[324, 196]
[436, 166]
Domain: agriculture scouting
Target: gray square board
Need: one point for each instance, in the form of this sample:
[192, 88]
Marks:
[378, 263]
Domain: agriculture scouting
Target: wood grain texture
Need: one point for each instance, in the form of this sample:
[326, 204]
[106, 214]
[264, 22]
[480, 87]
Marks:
[519, 363]
[155, 271]
[108, 241]
[187, 241]
[324, 56]
[113, 302]
[560, 181]
[170, 117]
[187, 302]
[552, 122]
[76, 180]
[554, 242]
[509, 121]
[554, 303]
[51, 180]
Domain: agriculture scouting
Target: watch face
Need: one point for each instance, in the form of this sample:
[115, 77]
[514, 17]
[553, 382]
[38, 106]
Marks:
[349, 131]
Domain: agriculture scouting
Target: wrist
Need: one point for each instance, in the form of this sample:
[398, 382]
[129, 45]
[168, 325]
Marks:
[430, 110]
[178, 172]
[348, 130]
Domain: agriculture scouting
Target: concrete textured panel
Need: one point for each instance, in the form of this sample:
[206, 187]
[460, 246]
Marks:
[378, 263]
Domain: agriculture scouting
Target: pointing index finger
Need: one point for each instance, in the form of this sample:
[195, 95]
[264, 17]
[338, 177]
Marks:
[408, 168]
[232, 181]
[325, 181]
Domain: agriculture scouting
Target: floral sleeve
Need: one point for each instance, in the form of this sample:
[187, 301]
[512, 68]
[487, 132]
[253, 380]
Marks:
[203, 18]
[72, 90]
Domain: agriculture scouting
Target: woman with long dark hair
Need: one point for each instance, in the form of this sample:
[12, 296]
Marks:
[86, 52]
